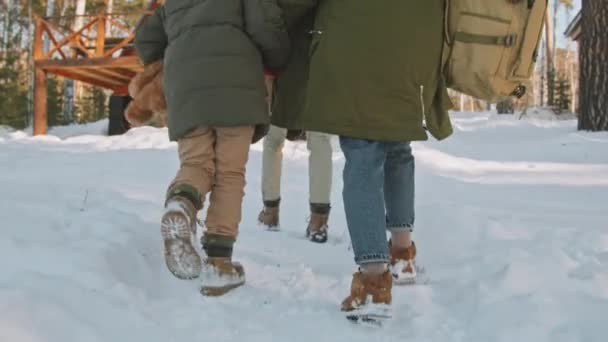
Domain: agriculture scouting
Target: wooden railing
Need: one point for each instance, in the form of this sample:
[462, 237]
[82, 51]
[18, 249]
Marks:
[91, 40]
[99, 51]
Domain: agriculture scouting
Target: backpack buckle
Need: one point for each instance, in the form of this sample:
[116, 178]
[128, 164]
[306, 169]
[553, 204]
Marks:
[519, 91]
[509, 40]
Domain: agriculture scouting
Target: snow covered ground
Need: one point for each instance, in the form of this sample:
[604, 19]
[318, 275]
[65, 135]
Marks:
[512, 227]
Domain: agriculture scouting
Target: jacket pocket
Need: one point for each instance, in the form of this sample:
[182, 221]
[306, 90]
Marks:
[475, 56]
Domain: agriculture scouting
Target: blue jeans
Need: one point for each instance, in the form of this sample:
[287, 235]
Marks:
[378, 194]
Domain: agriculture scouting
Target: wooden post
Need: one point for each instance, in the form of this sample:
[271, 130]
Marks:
[37, 48]
[101, 36]
[40, 92]
[101, 30]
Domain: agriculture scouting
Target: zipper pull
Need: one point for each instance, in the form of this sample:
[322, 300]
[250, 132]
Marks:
[422, 106]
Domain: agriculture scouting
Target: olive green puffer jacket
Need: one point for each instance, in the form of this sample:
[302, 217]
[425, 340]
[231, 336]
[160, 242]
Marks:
[214, 52]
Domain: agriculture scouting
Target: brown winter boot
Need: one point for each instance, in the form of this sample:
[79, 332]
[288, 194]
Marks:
[220, 275]
[370, 297]
[178, 227]
[269, 216]
[317, 226]
[403, 264]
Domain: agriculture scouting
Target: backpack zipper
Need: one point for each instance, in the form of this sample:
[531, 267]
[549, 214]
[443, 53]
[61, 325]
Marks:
[422, 105]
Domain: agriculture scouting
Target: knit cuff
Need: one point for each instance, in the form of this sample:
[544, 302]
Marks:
[272, 203]
[217, 246]
[320, 208]
[187, 191]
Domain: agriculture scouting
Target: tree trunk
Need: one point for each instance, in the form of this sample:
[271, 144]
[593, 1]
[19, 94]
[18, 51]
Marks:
[543, 64]
[549, 54]
[8, 22]
[50, 9]
[109, 10]
[593, 53]
[30, 65]
[573, 81]
[71, 88]
[80, 10]
[461, 102]
[554, 16]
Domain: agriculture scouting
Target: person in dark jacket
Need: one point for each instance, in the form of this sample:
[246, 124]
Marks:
[214, 54]
[288, 90]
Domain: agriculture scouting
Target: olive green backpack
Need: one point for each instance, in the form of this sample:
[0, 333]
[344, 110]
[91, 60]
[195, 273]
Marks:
[491, 46]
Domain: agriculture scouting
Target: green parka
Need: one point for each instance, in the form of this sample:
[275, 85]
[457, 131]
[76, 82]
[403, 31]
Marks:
[374, 72]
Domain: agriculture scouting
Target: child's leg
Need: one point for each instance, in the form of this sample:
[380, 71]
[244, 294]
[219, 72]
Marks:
[196, 174]
[272, 164]
[184, 199]
[224, 214]
[272, 159]
[219, 273]
[320, 169]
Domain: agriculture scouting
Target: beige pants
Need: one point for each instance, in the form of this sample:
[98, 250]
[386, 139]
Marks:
[213, 161]
[319, 165]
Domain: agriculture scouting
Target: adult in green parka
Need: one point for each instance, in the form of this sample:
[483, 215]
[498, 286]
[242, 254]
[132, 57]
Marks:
[375, 80]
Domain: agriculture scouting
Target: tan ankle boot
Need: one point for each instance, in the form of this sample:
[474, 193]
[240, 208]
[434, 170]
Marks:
[178, 227]
[269, 218]
[370, 296]
[317, 228]
[220, 275]
[403, 264]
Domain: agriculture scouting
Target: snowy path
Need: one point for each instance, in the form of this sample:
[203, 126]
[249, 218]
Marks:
[512, 226]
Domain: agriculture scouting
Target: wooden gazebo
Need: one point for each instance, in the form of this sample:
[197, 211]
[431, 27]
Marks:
[88, 54]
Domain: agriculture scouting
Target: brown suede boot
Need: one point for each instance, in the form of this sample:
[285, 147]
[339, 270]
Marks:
[178, 227]
[317, 226]
[220, 275]
[403, 264]
[370, 297]
[269, 216]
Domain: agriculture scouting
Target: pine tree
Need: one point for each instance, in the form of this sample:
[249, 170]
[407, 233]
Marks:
[551, 78]
[13, 101]
[55, 101]
[92, 106]
[505, 106]
[13, 90]
[563, 98]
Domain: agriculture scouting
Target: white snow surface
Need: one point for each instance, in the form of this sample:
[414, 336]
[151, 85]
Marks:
[512, 228]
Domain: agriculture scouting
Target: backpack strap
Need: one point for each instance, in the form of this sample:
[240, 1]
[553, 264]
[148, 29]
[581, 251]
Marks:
[531, 38]
[485, 40]
[446, 23]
